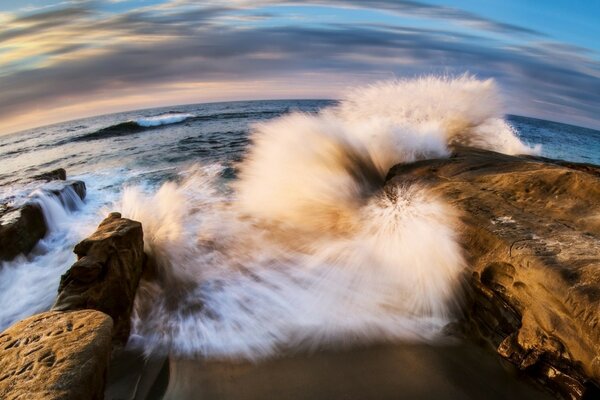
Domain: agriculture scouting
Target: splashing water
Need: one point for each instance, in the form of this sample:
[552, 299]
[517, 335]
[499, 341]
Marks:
[307, 248]
[51, 257]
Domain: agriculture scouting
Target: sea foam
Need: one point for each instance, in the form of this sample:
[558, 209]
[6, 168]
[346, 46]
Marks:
[164, 119]
[307, 248]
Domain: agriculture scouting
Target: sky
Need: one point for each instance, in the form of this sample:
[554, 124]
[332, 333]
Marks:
[67, 59]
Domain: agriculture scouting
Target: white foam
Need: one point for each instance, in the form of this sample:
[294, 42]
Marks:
[29, 284]
[164, 119]
[228, 287]
[306, 249]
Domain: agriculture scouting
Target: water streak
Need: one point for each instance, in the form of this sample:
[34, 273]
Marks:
[307, 249]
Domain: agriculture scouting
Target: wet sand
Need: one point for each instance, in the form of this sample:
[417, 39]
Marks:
[400, 371]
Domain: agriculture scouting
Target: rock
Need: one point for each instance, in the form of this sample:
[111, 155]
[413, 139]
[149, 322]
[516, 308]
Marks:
[531, 233]
[23, 226]
[20, 230]
[65, 192]
[106, 274]
[57, 174]
[56, 355]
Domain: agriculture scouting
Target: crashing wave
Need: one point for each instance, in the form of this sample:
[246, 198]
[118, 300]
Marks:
[164, 119]
[308, 248]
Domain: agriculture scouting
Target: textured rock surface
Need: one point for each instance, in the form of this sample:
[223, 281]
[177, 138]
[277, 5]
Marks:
[107, 272]
[56, 355]
[531, 233]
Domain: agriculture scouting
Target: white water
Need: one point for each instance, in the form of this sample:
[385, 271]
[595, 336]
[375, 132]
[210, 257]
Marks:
[29, 284]
[306, 249]
[164, 119]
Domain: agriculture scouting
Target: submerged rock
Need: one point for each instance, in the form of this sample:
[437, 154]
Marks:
[56, 355]
[23, 226]
[57, 174]
[531, 234]
[106, 274]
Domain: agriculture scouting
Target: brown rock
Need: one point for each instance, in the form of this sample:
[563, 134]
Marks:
[56, 355]
[107, 273]
[531, 233]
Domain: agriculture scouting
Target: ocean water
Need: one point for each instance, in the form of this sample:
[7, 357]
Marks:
[266, 218]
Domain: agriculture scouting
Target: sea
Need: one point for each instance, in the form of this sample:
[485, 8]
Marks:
[264, 216]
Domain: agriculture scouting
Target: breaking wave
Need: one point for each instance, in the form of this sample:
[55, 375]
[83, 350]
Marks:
[28, 284]
[164, 119]
[131, 127]
[308, 248]
[153, 122]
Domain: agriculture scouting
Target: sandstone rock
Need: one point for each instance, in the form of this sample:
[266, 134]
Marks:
[531, 233]
[106, 274]
[57, 174]
[56, 355]
[20, 230]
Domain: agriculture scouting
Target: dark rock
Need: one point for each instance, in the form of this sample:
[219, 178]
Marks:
[531, 233]
[56, 355]
[63, 192]
[57, 174]
[106, 274]
[23, 226]
[20, 230]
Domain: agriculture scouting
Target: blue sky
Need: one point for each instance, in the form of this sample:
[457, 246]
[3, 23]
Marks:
[66, 59]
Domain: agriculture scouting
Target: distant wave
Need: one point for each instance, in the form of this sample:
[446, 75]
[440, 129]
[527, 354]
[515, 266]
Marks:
[157, 121]
[165, 119]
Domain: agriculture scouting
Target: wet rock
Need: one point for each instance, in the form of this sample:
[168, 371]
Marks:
[56, 355]
[57, 174]
[106, 274]
[23, 226]
[20, 230]
[64, 192]
[531, 233]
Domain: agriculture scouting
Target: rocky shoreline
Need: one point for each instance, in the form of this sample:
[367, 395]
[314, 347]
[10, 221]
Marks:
[530, 229]
[65, 353]
[531, 234]
[22, 226]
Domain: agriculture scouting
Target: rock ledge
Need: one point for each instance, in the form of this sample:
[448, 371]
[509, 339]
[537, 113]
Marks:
[531, 233]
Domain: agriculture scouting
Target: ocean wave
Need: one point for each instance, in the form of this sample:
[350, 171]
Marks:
[164, 119]
[307, 247]
[121, 129]
[300, 245]
[158, 121]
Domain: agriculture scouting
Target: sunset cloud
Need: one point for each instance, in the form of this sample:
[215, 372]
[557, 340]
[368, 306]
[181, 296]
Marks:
[78, 59]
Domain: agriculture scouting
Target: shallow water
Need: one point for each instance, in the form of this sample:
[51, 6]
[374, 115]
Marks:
[403, 371]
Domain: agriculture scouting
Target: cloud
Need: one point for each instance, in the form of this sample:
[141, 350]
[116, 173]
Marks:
[92, 55]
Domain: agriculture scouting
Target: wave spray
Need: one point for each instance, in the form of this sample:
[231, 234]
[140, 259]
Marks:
[307, 248]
